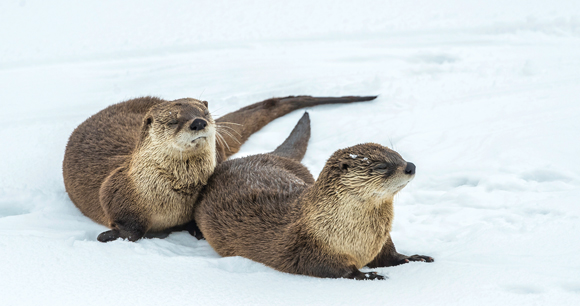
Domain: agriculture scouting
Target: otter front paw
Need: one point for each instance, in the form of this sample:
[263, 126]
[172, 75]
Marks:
[108, 236]
[115, 234]
[423, 258]
[195, 231]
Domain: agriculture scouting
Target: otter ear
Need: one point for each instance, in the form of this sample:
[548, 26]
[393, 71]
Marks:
[204, 103]
[345, 164]
[147, 122]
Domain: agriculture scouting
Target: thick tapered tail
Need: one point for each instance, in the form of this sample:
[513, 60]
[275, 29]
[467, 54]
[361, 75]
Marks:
[295, 145]
[236, 127]
[306, 101]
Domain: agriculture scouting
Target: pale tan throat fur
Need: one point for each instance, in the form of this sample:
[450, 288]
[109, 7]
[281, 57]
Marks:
[268, 208]
[138, 166]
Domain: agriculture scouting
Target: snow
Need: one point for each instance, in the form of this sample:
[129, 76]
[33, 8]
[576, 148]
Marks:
[482, 96]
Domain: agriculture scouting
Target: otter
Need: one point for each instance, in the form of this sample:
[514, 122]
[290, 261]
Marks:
[268, 208]
[138, 166]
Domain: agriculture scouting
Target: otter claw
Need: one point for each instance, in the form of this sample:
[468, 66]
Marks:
[422, 258]
[373, 275]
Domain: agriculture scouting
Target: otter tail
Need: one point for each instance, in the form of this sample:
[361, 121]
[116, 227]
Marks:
[295, 145]
[236, 127]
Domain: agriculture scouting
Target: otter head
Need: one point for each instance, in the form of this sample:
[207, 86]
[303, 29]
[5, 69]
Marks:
[370, 171]
[181, 128]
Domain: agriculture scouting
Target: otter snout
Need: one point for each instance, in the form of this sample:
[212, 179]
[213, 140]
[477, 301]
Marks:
[198, 125]
[410, 169]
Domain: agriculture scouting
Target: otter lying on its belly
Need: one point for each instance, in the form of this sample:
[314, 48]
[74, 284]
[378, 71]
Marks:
[138, 166]
[268, 208]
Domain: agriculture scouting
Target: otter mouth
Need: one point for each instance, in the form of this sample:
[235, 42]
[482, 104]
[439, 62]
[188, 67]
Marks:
[197, 138]
[402, 186]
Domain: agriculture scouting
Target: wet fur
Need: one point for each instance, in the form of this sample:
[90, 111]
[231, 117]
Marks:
[268, 208]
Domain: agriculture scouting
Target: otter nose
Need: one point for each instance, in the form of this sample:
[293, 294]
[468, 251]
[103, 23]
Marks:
[410, 168]
[198, 125]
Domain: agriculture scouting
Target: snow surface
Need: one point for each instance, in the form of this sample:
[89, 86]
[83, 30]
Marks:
[483, 96]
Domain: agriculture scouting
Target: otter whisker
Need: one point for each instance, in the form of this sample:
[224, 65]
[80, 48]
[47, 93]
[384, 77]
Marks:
[218, 138]
[226, 126]
[224, 122]
[221, 129]
[392, 144]
[216, 112]
[231, 129]
[231, 136]
[224, 142]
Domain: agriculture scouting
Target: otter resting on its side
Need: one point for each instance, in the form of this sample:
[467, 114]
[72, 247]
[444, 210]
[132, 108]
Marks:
[268, 208]
[138, 166]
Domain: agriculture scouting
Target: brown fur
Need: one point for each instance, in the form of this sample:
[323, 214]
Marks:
[268, 208]
[136, 168]
[239, 125]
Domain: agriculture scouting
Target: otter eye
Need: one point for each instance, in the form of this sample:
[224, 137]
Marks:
[172, 122]
[206, 112]
[381, 167]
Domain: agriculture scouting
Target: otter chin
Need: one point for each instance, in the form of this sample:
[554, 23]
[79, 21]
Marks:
[268, 208]
[196, 143]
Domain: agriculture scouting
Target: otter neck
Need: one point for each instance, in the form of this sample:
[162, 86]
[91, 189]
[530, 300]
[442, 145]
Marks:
[347, 223]
[185, 169]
